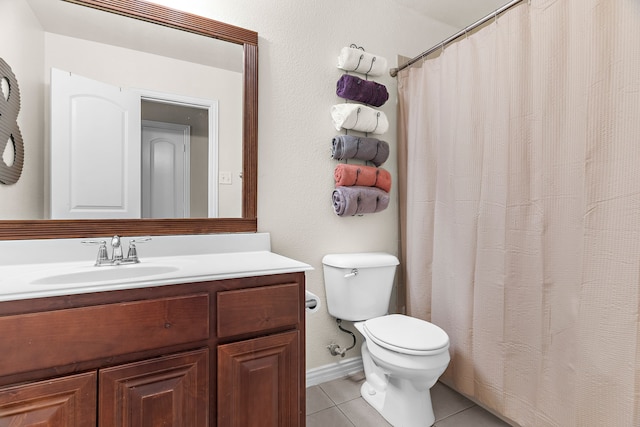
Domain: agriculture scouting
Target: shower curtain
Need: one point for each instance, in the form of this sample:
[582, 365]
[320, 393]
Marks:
[519, 151]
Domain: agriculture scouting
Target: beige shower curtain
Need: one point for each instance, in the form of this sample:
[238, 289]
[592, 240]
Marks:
[519, 156]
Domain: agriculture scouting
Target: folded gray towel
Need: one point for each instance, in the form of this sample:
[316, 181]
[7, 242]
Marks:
[349, 201]
[362, 148]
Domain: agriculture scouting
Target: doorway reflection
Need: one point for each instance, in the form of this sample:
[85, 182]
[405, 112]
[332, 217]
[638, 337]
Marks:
[176, 160]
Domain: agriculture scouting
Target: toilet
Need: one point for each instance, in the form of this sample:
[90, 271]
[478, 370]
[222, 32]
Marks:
[403, 357]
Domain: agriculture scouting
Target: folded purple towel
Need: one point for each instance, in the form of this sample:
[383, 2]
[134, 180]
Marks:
[366, 91]
[359, 147]
[349, 201]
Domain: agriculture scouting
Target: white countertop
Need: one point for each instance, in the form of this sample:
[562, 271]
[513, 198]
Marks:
[211, 261]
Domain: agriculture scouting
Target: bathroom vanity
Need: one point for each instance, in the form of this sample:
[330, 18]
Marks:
[207, 330]
[217, 342]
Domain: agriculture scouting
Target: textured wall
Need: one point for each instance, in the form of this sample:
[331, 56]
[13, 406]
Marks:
[299, 42]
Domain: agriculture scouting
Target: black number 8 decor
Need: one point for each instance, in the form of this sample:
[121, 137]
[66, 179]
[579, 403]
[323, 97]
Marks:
[11, 144]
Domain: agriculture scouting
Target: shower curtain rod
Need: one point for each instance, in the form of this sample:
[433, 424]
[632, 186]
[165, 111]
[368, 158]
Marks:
[394, 71]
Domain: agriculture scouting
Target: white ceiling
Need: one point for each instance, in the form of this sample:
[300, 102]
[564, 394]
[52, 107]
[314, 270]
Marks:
[457, 13]
[87, 23]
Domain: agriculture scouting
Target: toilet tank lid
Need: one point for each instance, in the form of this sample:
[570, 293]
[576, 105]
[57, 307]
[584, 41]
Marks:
[360, 260]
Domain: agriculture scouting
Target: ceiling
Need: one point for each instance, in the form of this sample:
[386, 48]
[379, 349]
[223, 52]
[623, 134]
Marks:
[457, 13]
[81, 22]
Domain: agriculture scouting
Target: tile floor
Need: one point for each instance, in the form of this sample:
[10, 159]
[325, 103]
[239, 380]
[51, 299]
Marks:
[338, 404]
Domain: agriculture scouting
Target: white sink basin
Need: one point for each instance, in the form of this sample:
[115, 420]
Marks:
[48, 279]
[105, 274]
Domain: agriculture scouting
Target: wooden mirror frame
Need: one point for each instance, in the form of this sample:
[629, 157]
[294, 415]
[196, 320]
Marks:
[139, 9]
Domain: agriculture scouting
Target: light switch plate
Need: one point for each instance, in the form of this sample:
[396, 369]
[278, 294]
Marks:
[225, 178]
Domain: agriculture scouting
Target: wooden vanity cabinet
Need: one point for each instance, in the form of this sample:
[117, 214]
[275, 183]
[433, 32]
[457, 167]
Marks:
[256, 376]
[219, 353]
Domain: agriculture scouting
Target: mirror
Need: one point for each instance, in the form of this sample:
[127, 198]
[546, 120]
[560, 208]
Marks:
[181, 25]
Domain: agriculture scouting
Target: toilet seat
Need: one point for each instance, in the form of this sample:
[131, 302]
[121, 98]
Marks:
[407, 335]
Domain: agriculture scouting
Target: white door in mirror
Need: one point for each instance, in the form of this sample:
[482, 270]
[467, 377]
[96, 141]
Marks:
[95, 149]
[165, 170]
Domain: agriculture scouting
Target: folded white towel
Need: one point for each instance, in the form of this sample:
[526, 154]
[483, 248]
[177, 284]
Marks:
[352, 59]
[359, 117]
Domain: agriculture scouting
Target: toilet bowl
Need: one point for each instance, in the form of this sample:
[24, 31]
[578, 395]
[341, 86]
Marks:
[403, 357]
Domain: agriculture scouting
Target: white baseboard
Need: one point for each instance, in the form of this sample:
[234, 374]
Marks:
[334, 371]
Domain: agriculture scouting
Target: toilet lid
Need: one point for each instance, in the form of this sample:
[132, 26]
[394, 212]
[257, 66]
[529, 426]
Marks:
[406, 334]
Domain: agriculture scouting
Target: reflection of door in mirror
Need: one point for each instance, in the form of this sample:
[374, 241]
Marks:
[95, 149]
[95, 142]
[201, 198]
[166, 152]
[204, 192]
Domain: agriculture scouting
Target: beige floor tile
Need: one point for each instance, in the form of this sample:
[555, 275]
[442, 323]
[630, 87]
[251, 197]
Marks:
[331, 417]
[343, 389]
[361, 414]
[317, 400]
[474, 416]
[447, 402]
[338, 404]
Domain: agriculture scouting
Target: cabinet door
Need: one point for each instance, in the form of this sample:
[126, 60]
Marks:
[259, 382]
[168, 391]
[62, 402]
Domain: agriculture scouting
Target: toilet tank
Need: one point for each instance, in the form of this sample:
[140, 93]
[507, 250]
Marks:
[358, 285]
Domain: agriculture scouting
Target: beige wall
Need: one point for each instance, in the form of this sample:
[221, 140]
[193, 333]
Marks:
[298, 47]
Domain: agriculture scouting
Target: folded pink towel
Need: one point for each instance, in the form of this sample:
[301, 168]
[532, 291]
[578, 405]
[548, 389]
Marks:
[365, 176]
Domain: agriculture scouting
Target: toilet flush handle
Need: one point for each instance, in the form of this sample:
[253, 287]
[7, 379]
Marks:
[354, 272]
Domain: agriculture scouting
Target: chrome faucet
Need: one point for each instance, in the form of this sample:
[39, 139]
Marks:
[116, 251]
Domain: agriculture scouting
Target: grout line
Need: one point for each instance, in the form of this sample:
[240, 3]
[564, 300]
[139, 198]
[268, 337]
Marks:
[346, 416]
[328, 397]
[454, 414]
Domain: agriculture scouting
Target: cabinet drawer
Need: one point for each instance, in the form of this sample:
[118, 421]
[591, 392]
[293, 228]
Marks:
[62, 337]
[255, 310]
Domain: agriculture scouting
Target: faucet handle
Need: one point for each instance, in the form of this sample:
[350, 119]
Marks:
[141, 239]
[103, 256]
[132, 255]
